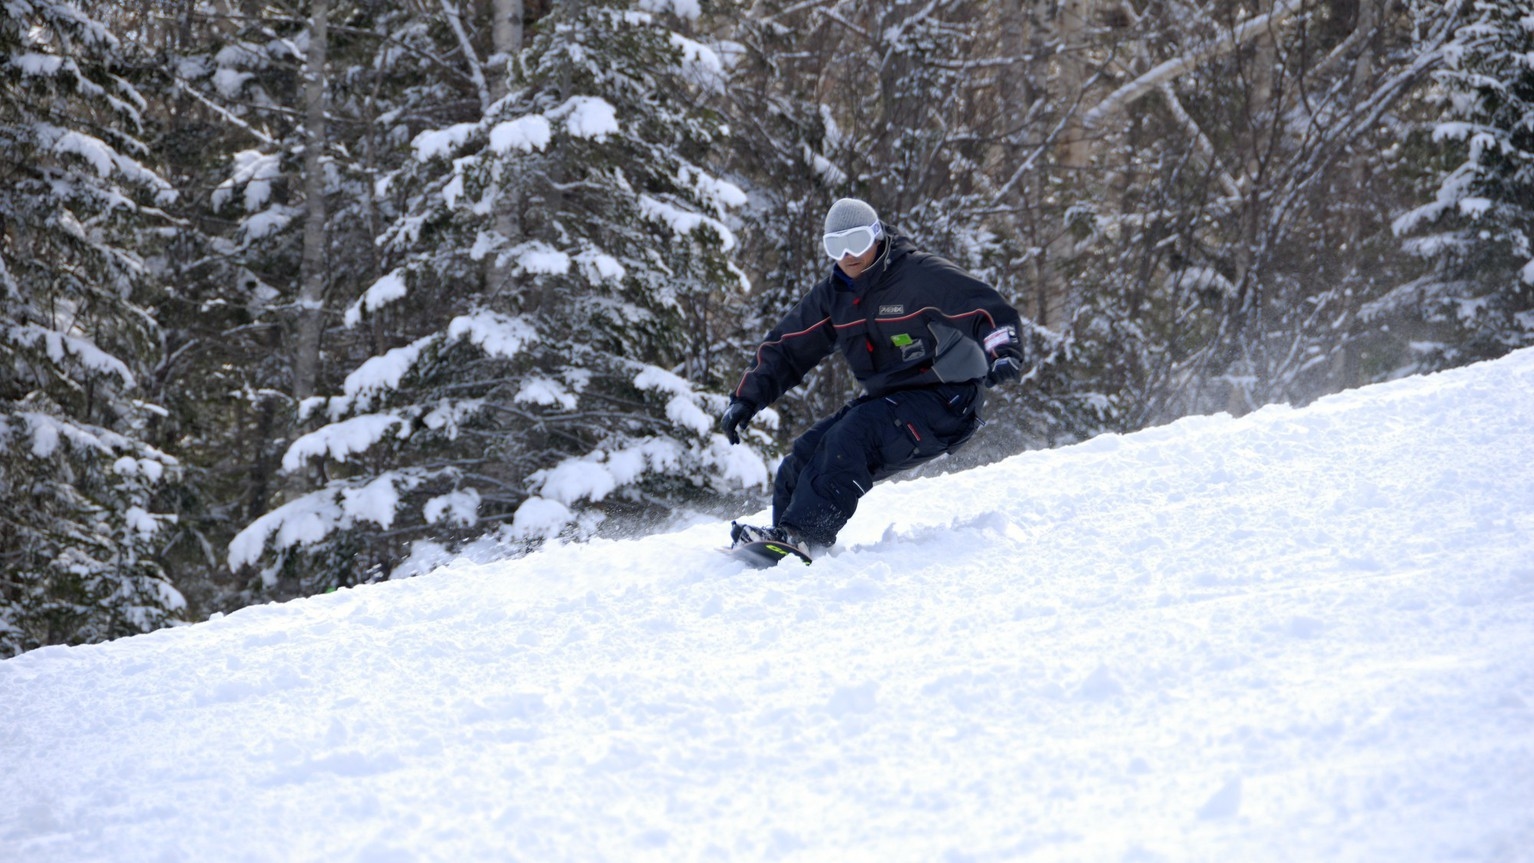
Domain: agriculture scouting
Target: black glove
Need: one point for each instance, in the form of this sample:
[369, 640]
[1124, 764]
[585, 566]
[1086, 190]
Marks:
[735, 418]
[1004, 368]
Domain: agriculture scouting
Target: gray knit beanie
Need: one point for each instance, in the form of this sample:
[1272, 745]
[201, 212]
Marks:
[849, 213]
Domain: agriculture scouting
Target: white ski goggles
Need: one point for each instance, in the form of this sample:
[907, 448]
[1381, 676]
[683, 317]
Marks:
[853, 241]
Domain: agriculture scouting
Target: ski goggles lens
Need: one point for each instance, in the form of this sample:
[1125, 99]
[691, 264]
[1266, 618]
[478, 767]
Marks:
[853, 241]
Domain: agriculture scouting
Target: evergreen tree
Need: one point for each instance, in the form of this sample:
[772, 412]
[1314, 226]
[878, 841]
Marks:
[1478, 233]
[551, 302]
[227, 81]
[77, 533]
[280, 234]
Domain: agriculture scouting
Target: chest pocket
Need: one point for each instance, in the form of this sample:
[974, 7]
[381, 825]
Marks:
[906, 348]
[900, 343]
[858, 347]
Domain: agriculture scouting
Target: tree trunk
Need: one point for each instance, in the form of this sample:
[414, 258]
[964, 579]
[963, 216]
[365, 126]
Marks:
[1071, 28]
[1346, 366]
[1262, 149]
[1363, 77]
[311, 295]
[506, 34]
[506, 31]
[1018, 94]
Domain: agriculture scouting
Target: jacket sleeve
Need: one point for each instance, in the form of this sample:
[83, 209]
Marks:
[801, 340]
[993, 322]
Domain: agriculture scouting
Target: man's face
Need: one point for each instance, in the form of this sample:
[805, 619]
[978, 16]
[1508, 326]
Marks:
[854, 267]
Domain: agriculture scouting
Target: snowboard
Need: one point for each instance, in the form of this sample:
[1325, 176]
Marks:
[765, 553]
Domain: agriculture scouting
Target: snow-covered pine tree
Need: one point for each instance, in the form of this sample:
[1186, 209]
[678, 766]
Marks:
[228, 80]
[546, 378]
[294, 97]
[1478, 232]
[78, 528]
[237, 276]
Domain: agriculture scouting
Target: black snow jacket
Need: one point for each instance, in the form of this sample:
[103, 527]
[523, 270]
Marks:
[911, 320]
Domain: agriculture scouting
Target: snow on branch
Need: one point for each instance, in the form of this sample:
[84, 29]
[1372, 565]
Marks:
[48, 431]
[34, 65]
[59, 345]
[309, 519]
[1201, 279]
[587, 117]
[600, 473]
[254, 170]
[343, 439]
[455, 508]
[527, 133]
[701, 65]
[440, 143]
[687, 10]
[598, 267]
[537, 258]
[496, 334]
[720, 195]
[1200, 140]
[379, 373]
[384, 291]
[103, 158]
[546, 392]
[684, 222]
[683, 408]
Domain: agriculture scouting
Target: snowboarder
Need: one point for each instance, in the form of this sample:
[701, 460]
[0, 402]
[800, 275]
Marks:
[921, 336]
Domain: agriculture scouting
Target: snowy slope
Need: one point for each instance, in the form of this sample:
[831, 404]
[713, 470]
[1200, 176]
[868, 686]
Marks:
[1302, 635]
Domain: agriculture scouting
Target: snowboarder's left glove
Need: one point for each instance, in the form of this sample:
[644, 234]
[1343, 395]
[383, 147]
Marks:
[735, 418]
[1004, 368]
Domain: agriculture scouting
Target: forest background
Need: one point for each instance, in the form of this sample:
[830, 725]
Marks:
[301, 295]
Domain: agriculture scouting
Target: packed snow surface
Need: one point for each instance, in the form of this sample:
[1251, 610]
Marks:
[1300, 635]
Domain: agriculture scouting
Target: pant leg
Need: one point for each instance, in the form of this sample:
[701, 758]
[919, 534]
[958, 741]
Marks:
[786, 480]
[865, 442]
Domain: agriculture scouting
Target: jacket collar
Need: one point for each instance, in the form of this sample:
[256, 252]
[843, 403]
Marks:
[891, 247]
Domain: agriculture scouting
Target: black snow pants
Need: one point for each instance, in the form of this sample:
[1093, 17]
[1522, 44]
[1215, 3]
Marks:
[839, 459]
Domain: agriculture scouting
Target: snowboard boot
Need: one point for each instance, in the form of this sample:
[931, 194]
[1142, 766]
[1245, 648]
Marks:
[741, 534]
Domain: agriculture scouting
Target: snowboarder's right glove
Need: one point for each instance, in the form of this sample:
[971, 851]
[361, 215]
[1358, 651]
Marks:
[735, 418]
[1005, 368]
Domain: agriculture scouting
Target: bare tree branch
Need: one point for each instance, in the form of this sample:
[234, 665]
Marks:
[1172, 69]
